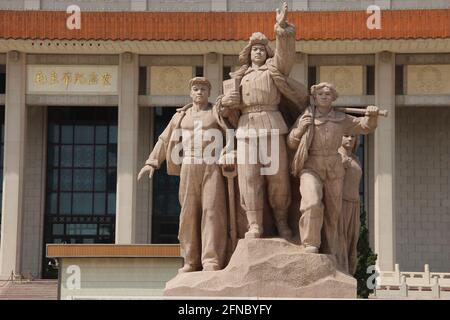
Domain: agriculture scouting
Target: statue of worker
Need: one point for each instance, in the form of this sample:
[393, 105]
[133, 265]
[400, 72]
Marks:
[203, 219]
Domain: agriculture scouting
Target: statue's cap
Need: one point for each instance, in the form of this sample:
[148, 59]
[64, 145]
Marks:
[258, 38]
[255, 38]
[199, 80]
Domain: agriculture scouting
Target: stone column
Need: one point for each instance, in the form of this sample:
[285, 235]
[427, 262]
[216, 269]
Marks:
[14, 149]
[213, 71]
[127, 149]
[384, 162]
[300, 69]
[34, 191]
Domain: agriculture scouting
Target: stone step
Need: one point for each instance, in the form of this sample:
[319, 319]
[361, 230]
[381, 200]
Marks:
[32, 290]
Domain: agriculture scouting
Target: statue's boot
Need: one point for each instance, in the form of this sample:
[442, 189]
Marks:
[211, 267]
[281, 221]
[309, 249]
[255, 229]
[187, 268]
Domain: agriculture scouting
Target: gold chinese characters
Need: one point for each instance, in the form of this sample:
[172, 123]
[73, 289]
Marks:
[68, 78]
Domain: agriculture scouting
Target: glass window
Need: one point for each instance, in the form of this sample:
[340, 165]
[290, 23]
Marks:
[2, 82]
[82, 204]
[101, 156]
[66, 156]
[53, 156]
[83, 156]
[83, 179]
[101, 134]
[53, 133]
[111, 203]
[81, 176]
[84, 135]
[67, 134]
[65, 203]
[58, 229]
[99, 203]
[166, 206]
[52, 180]
[100, 180]
[52, 200]
[65, 183]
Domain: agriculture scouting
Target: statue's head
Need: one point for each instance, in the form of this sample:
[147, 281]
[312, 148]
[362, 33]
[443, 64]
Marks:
[324, 93]
[256, 51]
[350, 142]
[200, 90]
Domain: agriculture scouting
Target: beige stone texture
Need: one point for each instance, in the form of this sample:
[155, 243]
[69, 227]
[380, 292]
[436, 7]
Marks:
[271, 268]
[127, 149]
[34, 190]
[170, 80]
[384, 163]
[348, 79]
[422, 219]
[116, 277]
[14, 163]
[428, 79]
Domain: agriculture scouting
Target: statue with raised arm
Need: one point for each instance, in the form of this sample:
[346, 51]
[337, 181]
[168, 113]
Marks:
[255, 109]
[316, 137]
[203, 219]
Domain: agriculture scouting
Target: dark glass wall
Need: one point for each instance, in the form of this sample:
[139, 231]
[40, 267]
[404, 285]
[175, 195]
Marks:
[80, 202]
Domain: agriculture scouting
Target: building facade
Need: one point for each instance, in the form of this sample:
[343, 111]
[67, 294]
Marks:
[81, 109]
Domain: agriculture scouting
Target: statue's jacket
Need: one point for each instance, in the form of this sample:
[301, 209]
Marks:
[317, 148]
[266, 90]
[166, 144]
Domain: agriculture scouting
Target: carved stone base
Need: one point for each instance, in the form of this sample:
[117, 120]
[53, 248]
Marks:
[272, 268]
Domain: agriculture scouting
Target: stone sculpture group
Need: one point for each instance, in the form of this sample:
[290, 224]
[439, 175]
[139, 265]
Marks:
[275, 125]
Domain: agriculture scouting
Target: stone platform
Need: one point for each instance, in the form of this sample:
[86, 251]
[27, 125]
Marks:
[272, 268]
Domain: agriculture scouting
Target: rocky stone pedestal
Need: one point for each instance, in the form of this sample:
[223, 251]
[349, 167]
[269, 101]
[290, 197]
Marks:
[272, 268]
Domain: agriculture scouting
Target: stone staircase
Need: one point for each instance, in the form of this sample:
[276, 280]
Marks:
[29, 290]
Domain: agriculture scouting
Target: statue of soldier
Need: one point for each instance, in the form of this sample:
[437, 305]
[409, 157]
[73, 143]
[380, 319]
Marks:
[263, 80]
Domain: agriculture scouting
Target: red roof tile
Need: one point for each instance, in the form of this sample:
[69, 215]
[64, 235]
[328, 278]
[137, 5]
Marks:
[396, 24]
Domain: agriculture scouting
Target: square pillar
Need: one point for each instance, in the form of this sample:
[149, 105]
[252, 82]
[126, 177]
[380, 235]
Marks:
[14, 149]
[213, 71]
[384, 162]
[127, 149]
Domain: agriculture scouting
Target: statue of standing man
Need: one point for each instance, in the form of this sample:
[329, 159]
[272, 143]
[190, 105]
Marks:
[316, 137]
[203, 219]
[263, 80]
